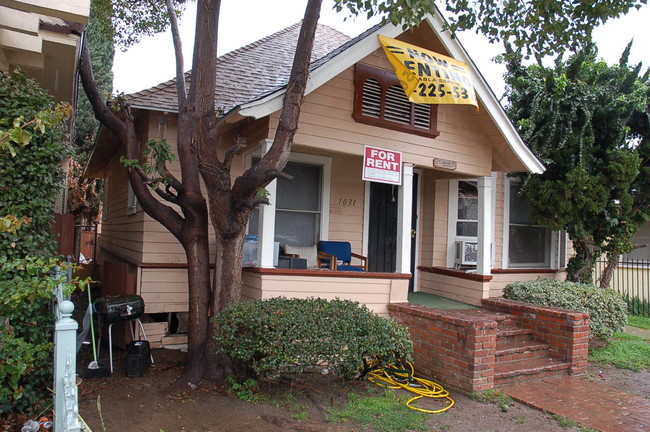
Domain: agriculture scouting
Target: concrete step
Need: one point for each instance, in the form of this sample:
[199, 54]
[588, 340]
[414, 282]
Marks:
[528, 369]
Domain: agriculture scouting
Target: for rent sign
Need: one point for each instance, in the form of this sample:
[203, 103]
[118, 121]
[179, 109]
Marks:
[382, 166]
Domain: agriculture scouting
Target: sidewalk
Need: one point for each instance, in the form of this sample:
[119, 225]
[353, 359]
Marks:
[588, 403]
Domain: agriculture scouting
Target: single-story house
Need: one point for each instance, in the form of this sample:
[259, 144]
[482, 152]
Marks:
[454, 226]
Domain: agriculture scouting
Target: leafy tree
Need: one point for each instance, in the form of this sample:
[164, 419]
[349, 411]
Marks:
[231, 202]
[589, 124]
[30, 181]
[84, 194]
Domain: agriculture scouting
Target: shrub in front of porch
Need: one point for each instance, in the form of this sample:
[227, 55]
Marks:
[279, 336]
[607, 308]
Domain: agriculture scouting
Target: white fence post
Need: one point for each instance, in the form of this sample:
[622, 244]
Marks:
[66, 408]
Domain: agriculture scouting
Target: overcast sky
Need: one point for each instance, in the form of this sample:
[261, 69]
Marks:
[244, 21]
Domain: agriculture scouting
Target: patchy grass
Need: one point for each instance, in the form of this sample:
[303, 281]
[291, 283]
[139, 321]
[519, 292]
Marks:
[494, 396]
[385, 412]
[625, 351]
[638, 321]
[565, 422]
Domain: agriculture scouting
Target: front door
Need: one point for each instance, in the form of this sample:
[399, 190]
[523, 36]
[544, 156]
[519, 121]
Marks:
[382, 228]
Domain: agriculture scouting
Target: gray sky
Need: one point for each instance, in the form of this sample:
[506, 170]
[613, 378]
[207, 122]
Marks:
[244, 21]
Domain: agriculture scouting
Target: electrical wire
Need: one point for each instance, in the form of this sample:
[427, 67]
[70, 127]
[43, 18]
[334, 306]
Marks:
[390, 376]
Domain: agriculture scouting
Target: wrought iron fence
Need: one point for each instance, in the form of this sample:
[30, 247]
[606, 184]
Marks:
[632, 279]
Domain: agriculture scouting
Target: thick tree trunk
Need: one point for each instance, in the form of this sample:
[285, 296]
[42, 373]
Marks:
[581, 265]
[608, 273]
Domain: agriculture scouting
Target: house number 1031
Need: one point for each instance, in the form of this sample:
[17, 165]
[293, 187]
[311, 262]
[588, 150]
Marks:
[347, 202]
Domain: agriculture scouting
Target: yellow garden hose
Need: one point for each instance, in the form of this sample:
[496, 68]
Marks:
[395, 378]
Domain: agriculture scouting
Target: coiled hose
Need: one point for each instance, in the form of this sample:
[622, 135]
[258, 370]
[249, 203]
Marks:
[394, 377]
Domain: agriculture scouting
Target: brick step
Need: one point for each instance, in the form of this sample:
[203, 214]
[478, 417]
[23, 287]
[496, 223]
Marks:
[513, 333]
[528, 369]
[510, 350]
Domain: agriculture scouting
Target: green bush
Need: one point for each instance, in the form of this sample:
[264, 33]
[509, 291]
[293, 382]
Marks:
[607, 309]
[281, 335]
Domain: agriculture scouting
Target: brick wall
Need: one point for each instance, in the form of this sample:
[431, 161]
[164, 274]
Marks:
[457, 350]
[566, 331]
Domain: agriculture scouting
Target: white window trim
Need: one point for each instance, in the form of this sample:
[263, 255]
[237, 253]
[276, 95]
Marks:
[452, 219]
[131, 200]
[505, 260]
[326, 164]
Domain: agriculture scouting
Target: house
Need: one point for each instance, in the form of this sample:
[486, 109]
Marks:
[454, 226]
[43, 38]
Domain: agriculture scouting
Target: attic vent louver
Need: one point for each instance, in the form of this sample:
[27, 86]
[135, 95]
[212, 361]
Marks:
[380, 101]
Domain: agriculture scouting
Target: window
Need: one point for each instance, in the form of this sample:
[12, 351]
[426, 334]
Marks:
[529, 245]
[298, 206]
[379, 100]
[467, 221]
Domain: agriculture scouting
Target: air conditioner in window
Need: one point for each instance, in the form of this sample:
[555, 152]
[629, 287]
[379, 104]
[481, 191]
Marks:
[466, 253]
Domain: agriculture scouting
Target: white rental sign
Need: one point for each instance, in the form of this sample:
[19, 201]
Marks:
[382, 166]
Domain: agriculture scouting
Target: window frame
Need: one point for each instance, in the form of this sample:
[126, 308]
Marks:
[386, 80]
[551, 244]
[325, 163]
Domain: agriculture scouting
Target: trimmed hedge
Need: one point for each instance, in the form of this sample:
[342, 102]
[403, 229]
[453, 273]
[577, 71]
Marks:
[607, 309]
[280, 335]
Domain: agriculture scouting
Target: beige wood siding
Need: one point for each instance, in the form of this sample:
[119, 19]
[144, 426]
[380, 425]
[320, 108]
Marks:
[441, 217]
[427, 218]
[500, 280]
[121, 233]
[164, 290]
[463, 290]
[374, 293]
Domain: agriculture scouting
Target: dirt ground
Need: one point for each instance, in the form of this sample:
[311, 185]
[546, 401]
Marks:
[144, 404]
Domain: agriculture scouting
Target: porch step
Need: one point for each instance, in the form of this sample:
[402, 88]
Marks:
[513, 333]
[509, 350]
[528, 369]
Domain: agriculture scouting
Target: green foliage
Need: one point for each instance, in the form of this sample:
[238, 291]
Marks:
[494, 396]
[282, 335]
[130, 21]
[625, 351]
[84, 194]
[538, 27]
[385, 412]
[246, 391]
[25, 340]
[565, 422]
[30, 181]
[607, 308]
[589, 124]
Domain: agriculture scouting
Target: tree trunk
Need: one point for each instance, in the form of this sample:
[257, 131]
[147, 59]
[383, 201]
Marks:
[581, 265]
[228, 268]
[608, 273]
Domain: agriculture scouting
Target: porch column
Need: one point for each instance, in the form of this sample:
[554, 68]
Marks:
[266, 227]
[484, 259]
[404, 209]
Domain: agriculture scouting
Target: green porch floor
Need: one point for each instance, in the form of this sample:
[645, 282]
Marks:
[435, 301]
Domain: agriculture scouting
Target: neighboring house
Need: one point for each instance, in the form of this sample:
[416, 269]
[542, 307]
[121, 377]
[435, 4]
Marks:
[455, 190]
[43, 38]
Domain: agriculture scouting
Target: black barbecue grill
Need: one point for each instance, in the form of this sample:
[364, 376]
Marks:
[113, 309]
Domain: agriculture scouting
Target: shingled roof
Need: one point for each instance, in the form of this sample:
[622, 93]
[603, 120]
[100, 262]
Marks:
[248, 73]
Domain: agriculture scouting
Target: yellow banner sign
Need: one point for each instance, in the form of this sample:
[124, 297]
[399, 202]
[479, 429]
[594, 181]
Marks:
[428, 77]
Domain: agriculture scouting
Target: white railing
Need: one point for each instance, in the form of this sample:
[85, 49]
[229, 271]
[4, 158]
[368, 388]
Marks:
[66, 407]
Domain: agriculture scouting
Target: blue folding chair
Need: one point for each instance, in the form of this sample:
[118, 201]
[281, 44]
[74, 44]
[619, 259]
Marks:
[337, 255]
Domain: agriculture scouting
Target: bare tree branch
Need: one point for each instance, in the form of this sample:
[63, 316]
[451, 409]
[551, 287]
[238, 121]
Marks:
[178, 51]
[240, 143]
